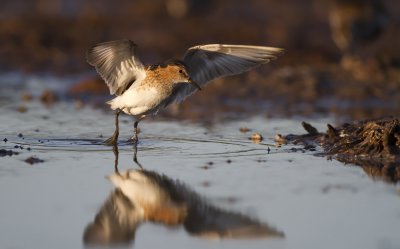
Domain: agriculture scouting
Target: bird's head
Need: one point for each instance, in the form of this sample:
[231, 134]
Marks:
[179, 74]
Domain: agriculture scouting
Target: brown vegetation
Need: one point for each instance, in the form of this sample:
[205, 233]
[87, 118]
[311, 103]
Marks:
[372, 144]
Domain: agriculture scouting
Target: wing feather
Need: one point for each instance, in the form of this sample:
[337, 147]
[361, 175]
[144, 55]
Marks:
[207, 62]
[117, 64]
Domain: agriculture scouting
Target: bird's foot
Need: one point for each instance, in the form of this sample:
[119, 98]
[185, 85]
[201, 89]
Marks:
[133, 140]
[112, 140]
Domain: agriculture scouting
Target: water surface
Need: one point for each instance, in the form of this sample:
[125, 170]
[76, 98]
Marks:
[314, 202]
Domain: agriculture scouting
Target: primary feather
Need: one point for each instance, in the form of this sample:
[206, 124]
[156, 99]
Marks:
[207, 62]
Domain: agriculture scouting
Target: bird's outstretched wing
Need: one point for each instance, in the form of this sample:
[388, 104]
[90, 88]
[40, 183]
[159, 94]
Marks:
[117, 64]
[209, 221]
[207, 62]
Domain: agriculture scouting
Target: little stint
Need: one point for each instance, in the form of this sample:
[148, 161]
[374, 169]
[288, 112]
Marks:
[143, 90]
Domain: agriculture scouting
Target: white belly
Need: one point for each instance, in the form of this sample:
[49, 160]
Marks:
[137, 101]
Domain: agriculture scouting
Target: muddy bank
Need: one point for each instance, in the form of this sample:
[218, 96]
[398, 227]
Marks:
[372, 144]
[57, 33]
[344, 72]
[273, 90]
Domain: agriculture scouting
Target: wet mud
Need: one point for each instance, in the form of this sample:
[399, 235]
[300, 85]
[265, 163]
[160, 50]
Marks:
[4, 152]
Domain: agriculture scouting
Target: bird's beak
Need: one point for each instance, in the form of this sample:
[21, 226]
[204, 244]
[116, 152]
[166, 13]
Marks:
[194, 84]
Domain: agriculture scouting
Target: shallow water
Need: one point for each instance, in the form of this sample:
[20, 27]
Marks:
[314, 202]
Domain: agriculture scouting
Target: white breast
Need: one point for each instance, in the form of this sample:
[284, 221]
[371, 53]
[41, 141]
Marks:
[138, 188]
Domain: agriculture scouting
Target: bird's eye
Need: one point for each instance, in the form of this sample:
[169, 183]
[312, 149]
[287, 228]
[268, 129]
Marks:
[180, 71]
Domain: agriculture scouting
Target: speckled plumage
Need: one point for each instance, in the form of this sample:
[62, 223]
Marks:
[151, 93]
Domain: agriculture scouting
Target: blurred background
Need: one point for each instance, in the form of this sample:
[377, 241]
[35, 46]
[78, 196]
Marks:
[342, 57]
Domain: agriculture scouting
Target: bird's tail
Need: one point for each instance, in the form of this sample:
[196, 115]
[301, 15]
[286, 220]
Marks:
[113, 103]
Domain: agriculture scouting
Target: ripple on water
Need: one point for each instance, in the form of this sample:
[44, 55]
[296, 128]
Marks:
[193, 147]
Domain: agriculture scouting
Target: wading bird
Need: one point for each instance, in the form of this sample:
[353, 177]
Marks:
[143, 90]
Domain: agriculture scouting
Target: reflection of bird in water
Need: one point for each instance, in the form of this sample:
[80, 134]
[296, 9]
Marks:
[146, 196]
[356, 22]
[144, 90]
[115, 223]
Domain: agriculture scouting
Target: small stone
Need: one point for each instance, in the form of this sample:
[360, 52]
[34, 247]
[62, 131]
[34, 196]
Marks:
[229, 161]
[78, 104]
[280, 139]
[256, 138]
[22, 109]
[20, 135]
[48, 97]
[26, 96]
[32, 160]
[205, 167]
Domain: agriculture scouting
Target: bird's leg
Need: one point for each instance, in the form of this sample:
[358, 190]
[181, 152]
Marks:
[135, 156]
[135, 139]
[135, 128]
[113, 139]
[116, 156]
